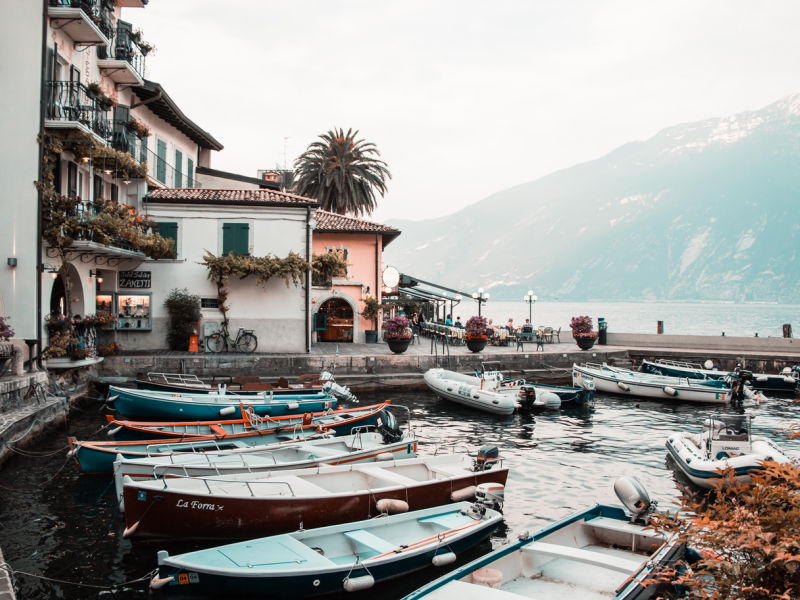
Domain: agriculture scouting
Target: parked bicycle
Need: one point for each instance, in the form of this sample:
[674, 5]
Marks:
[245, 340]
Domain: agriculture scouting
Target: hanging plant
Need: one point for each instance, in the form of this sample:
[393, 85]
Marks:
[138, 128]
[324, 267]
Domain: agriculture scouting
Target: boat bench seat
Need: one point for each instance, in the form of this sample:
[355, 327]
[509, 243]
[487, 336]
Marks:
[365, 538]
[623, 527]
[623, 565]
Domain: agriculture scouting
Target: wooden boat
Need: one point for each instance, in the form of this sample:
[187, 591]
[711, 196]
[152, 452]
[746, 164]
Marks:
[212, 405]
[631, 383]
[485, 391]
[363, 446]
[787, 381]
[726, 442]
[341, 421]
[256, 504]
[326, 560]
[597, 553]
[532, 395]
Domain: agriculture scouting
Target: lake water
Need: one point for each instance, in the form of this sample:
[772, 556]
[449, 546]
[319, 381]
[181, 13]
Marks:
[63, 524]
[637, 317]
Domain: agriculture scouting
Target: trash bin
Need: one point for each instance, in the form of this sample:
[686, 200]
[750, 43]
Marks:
[602, 331]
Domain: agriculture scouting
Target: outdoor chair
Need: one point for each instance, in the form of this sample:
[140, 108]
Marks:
[557, 334]
[548, 335]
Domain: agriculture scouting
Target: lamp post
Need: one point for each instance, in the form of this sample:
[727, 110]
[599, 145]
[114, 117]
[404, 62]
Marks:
[480, 297]
[530, 299]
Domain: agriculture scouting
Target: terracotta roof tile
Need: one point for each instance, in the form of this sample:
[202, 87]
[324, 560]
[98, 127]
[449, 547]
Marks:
[251, 197]
[328, 222]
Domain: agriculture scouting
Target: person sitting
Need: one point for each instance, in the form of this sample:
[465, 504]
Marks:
[490, 332]
[510, 326]
[527, 327]
[448, 321]
[458, 323]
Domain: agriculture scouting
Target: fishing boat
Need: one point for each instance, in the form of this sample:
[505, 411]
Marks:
[245, 505]
[363, 446]
[631, 383]
[340, 421]
[787, 381]
[488, 391]
[532, 395]
[326, 560]
[596, 553]
[212, 405]
[725, 443]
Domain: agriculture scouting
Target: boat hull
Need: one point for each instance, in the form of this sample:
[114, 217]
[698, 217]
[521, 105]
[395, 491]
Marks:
[764, 382]
[143, 384]
[469, 394]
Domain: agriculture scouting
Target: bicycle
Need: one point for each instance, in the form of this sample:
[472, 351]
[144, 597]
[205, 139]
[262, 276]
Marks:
[245, 341]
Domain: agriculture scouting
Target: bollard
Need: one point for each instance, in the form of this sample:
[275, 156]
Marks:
[660, 327]
[787, 330]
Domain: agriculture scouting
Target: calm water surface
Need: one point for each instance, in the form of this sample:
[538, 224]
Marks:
[60, 523]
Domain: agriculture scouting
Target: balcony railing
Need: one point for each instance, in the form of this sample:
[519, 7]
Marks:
[70, 101]
[124, 47]
[157, 166]
[87, 209]
[93, 9]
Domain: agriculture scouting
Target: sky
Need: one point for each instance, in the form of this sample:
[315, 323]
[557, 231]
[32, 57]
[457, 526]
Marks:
[463, 98]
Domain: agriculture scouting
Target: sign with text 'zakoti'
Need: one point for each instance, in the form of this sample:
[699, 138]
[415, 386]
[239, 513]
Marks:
[134, 280]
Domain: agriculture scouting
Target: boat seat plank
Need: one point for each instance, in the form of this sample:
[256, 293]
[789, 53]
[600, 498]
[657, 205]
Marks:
[362, 536]
[449, 520]
[462, 590]
[622, 527]
[217, 429]
[623, 565]
[388, 475]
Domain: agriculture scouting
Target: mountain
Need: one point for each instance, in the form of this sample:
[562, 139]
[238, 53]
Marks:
[701, 211]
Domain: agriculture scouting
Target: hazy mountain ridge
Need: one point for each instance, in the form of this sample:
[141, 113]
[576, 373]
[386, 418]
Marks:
[701, 211]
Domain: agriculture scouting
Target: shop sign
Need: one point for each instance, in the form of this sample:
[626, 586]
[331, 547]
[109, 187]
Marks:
[134, 279]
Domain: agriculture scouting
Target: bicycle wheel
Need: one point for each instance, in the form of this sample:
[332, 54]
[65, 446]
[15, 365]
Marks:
[247, 343]
[215, 342]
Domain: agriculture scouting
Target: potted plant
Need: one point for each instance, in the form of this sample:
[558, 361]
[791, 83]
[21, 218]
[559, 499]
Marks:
[476, 334]
[582, 332]
[370, 313]
[6, 333]
[398, 334]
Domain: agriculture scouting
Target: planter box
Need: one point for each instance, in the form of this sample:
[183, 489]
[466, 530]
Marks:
[584, 343]
[398, 346]
[477, 344]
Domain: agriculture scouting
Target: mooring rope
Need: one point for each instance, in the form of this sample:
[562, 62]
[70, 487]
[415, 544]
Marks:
[110, 588]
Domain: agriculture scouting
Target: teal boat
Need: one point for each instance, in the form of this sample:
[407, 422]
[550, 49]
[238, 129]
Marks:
[340, 558]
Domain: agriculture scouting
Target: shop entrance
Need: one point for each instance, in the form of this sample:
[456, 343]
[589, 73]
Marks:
[334, 321]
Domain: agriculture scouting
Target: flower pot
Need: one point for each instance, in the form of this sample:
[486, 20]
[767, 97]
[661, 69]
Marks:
[477, 344]
[584, 342]
[371, 336]
[398, 346]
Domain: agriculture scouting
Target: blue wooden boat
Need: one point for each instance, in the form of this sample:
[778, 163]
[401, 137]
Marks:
[541, 394]
[348, 557]
[211, 406]
[787, 381]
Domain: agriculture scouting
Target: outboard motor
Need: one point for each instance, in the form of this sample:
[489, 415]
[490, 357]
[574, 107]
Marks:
[527, 396]
[740, 378]
[486, 459]
[387, 425]
[633, 496]
[491, 495]
[340, 391]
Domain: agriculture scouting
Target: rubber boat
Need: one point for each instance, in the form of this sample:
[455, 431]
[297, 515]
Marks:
[488, 391]
[787, 381]
[212, 405]
[597, 553]
[327, 560]
[247, 505]
[532, 395]
[726, 442]
[631, 383]
[364, 446]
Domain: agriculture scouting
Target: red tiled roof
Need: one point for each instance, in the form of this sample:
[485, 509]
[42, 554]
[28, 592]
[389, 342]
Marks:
[328, 222]
[262, 197]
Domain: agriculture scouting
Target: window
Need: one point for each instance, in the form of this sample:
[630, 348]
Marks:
[98, 188]
[114, 193]
[235, 238]
[189, 173]
[72, 179]
[178, 166]
[209, 302]
[168, 231]
[161, 161]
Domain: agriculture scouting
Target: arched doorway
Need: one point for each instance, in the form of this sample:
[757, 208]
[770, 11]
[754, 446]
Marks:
[58, 301]
[334, 321]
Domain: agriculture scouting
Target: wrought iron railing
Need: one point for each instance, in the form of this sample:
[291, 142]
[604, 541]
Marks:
[155, 164]
[93, 9]
[88, 209]
[124, 47]
[70, 101]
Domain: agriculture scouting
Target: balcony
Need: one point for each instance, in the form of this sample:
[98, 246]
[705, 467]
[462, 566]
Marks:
[163, 174]
[122, 60]
[70, 106]
[82, 20]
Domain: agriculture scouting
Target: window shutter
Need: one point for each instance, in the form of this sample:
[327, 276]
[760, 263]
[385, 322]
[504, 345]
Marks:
[236, 238]
[189, 173]
[178, 169]
[161, 161]
[320, 321]
[169, 231]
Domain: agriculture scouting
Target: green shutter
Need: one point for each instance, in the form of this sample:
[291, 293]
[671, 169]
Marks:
[161, 161]
[235, 238]
[189, 173]
[320, 321]
[169, 231]
[178, 169]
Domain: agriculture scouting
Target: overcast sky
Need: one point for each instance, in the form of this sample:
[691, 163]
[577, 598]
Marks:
[463, 98]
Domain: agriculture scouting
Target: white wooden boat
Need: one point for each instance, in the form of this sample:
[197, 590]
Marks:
[726, 442]
[787, 381]
[631, 383]
[486, 392]
[338, 558]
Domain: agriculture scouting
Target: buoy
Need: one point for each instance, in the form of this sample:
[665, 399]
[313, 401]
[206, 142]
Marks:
[709, 364]
[623, 386]
[391, 506]
[156, 583]
[228, 410]
[293, 406]
[129, 530]
[356, 584]
[463, 494]
[115, 431]
[550, 400]
[670, 391]
[488, 577]
[444, 559]
[385, 456]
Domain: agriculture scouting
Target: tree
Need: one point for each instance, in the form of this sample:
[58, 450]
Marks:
[342, 172]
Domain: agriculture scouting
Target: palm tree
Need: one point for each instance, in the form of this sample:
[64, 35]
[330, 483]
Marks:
[341, 172]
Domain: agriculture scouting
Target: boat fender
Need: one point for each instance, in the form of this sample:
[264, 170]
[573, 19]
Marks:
[293, 406]
[787, 379]
[72, 452]
[115, 431]
[550, 400]
[391, 506]
[762, 378]
[670, 391]
[444, 559]
[130, 530]
[384, 456]
[156, 583]
[623, 386]
[708, 365]
[356, 584]
[228, 410]
[463, 494]
[488, 577]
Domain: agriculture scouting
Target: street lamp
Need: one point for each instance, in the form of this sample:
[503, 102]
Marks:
[530, 299]
[480, 297]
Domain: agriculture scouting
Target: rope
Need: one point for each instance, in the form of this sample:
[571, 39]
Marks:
[111, 588]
